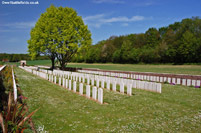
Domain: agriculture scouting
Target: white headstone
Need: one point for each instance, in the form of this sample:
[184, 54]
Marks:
[159, 88]
[52, 79]
[150, 86]
[148, 78]
[193, 82]
[97, 82]
[100, 95]
[161, 79]
[114, 86]
[74, 86]
[59, 81]
[173, 80]
[134, 84]
[154, 87]
[157, 79]
[138, 84]
[94, 93]
[198, 83]
[102, 84]
[144, 77]
[92, 82]
[169, 80]
[188, 82]
[178, 81]
[80, 79]
[122, 87]
[66, 83]
[83, 79]
[183, 81]
[146, 86]
[81, 89]
[108, 84]
[88, 80]
[69, 85]
[88, 91]
[129, 89]
[164, 79]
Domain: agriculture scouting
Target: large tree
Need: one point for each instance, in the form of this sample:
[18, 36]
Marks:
[59, 33]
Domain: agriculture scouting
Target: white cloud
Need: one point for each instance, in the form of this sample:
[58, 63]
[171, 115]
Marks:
[19, 25]
[101, 19]
[109, 1]
[98, 16]
[123, 19]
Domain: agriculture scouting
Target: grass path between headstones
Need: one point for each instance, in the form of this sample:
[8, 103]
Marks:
[176, 109]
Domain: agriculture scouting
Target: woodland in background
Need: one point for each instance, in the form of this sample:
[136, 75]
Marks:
[177, 43]
[17, 57]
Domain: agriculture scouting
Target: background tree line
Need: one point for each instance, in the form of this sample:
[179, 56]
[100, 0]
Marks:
[18, 57]
[177, 43]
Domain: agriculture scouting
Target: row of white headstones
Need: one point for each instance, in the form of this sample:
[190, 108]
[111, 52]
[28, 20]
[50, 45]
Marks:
[91, 78]
[186, 82]
[70, 84]
[111, 81]
[93, 81]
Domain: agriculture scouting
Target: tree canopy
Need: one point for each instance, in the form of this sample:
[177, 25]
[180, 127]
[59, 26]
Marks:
[59, 33]
[177, 43]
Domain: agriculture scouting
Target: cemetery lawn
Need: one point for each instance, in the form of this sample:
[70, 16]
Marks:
[177, 109]
[175, 69]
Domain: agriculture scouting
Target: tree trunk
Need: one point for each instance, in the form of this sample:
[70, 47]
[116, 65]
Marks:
[62, 65]
[52, 60]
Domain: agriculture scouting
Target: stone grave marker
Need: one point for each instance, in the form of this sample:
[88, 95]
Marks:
[88, 91]
[100, 95]
[81, 89]
[69, 85]
[129, 89]
[114, 86]
[74, 86]
[122, 87]
[183, 81]
[94, 92]
[108, 84]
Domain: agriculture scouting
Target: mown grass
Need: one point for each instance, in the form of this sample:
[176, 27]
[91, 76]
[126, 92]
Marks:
[177, 109]
[175, 69]
[39, 62]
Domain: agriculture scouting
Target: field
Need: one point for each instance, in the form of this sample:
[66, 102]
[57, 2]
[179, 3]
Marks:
[177, 109]
[176, 69]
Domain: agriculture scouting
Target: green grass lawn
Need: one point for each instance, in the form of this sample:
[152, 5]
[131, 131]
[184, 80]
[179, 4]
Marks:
[39, 62]
[176, 69]
[177, 109]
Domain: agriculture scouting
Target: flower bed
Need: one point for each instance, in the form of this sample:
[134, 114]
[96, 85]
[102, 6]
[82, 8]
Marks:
[13, 112]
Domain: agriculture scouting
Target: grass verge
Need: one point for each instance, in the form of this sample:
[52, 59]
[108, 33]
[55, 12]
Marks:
[177, 109]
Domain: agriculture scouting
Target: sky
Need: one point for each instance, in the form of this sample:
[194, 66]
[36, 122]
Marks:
[104, 18]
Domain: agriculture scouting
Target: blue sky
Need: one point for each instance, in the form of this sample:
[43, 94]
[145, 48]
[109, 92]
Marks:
[103, 17]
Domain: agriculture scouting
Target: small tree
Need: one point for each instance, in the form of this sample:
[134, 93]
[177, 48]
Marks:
[59, 33]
